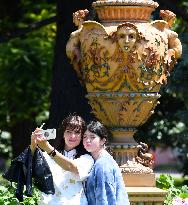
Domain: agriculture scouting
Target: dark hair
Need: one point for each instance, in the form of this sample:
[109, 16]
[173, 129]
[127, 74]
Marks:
[72, 122]
[99, 129]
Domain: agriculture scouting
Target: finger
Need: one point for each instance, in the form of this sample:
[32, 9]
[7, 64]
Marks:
[35, 134]
[40, 138]
[37, 130]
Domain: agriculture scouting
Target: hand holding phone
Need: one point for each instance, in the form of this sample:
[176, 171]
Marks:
[49, 134]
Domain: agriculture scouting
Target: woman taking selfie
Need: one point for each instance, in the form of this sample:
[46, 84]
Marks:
[105, 184]
[69, 163]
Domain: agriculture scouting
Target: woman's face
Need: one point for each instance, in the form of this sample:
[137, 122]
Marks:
[72, 139]
[126, 38]
[92, 142]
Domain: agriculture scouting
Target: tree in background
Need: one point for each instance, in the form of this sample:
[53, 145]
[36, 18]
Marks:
[25, 72]
[26, 68]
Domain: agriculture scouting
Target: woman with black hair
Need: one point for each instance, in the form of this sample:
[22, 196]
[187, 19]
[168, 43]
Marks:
[104, 184]
[69, 163]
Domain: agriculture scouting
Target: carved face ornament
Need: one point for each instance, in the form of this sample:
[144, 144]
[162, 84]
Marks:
[79, 16]
[126, 38]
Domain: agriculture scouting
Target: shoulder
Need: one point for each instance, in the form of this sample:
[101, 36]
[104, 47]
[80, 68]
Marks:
[105, 170]
[105, 159]
[106, 163]
[75, 34]
[85, 158]
[172, 34]
[84, 164]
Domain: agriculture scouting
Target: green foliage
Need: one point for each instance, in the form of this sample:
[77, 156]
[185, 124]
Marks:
[25, 68]
[5, 144]
[22, 13]
[181, 25]
[167, 182]
[7, 196]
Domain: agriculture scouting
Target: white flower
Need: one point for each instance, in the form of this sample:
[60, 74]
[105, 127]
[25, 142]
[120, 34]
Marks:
[179, 201]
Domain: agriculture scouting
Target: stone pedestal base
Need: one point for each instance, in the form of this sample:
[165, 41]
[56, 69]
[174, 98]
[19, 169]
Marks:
[146, 195]
[139, 180]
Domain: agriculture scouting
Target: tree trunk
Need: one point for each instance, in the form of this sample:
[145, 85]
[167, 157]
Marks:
[21, 133]
[67, 95]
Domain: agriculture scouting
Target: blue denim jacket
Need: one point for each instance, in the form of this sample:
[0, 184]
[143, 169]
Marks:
[105, 184]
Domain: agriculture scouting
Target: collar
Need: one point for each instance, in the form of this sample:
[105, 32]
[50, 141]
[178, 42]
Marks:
[70, 154]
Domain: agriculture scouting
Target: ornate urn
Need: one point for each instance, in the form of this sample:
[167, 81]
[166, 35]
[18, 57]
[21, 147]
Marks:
[123, 61]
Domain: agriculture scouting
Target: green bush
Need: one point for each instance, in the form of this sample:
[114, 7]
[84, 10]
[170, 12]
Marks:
[167, 182]
[7, 195]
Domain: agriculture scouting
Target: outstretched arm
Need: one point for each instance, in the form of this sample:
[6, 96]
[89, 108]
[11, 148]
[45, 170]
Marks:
[38, 140]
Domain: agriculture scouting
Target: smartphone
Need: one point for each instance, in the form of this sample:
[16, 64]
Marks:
[49, 134]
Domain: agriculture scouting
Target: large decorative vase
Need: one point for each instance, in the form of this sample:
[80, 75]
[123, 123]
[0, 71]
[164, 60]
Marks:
[123, 61]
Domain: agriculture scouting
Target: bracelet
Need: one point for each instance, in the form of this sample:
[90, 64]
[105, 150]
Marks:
[52, 153]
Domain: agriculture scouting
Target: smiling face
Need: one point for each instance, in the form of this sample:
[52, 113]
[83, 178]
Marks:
[72, 139]
[126, 37]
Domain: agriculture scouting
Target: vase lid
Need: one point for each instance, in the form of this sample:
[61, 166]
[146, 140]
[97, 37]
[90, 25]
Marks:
[148, 3]
[124, 10]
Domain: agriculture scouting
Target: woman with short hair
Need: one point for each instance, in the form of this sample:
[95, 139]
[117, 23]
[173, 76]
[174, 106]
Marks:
[104, 184]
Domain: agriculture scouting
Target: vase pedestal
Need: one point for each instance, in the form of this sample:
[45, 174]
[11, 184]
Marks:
[125, 151]
[139, 180]
[146, 195]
